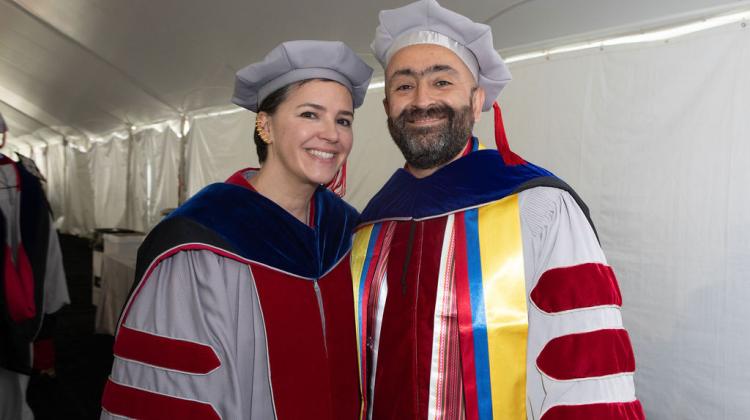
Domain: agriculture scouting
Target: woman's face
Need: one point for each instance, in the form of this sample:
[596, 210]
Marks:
[311, 132]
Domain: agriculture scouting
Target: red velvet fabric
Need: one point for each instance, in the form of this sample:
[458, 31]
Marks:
[587, 355]
[19, 285]
[575, 287]
[145, 405]
[313, 375]
[403, 368]
[604, 411]
[165, 352]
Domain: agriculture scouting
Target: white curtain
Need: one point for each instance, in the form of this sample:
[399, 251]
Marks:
[154, 167]
[110, 180]
[55, 174]
[78, 207]
[219, 146]
[656, 139]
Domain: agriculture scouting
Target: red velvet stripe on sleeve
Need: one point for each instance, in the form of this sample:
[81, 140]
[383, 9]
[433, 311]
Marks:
[137, 403]
[587, 355]
[18, 279]
[603, 411]
[575, 287]
[165, 352]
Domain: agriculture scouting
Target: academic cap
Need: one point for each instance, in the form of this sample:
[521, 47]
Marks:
[294, 61]
[426, 22]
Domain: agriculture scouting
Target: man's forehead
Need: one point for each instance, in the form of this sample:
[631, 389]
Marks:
[421, 58]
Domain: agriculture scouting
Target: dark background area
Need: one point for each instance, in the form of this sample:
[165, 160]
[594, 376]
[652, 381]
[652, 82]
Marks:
[84, 359]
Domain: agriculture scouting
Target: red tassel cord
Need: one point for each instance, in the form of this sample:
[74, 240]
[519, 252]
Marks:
[501, 140]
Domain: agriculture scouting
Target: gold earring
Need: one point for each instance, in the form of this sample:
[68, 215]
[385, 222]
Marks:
[261, 132]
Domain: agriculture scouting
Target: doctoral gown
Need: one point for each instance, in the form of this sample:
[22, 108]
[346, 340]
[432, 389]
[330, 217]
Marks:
[482, 293]
[240, 311]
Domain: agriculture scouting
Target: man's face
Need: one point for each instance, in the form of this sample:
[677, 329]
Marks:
[432, 103]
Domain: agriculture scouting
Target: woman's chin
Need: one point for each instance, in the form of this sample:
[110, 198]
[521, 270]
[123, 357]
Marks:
[320, 178]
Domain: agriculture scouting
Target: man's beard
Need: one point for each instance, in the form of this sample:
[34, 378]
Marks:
[433, 146]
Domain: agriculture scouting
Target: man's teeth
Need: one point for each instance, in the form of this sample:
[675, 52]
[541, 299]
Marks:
[321, 154]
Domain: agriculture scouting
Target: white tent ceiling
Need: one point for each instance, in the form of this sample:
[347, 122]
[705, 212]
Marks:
[95, 66]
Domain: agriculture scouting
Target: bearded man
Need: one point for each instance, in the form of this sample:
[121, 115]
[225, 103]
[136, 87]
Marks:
[481, 289]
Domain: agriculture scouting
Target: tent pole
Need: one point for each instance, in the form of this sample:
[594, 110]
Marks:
[182, 171]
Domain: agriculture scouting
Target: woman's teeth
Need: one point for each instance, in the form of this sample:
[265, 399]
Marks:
[321, 154]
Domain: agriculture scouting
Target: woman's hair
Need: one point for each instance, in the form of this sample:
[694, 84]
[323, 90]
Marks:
[269, 105]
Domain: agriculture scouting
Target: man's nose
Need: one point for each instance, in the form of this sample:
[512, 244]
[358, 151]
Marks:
[423, 96]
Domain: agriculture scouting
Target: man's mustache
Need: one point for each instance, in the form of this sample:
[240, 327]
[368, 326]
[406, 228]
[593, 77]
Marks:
[414, 113]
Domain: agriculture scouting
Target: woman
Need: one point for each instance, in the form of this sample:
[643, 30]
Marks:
[242, 307]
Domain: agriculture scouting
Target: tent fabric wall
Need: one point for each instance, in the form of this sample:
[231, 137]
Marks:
[55, 174]
[119, 181]
[655, 138]
[110, 180]
[218, 146]
[153, 168]
[78, 206]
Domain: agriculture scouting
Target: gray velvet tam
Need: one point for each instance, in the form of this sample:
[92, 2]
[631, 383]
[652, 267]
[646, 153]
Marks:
[426, 22]
[294, 61]
[3, 127]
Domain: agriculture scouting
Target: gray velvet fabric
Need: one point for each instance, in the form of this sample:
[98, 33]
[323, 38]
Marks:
[293, 61]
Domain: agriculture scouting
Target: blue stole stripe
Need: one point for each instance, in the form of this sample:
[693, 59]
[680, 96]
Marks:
[476, 290]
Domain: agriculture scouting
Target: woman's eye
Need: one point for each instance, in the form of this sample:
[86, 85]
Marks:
[308, 114]
[345, 122]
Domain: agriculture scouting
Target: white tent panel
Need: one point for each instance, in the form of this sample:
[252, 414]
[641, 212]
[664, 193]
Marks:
[56, 176]
[654, 138]
[154, 172]
[218, 146]
[109, 170]
[17, 122]
[79, 213]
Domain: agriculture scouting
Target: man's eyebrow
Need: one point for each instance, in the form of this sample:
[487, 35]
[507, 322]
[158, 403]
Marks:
[437, 68]
[404, 72]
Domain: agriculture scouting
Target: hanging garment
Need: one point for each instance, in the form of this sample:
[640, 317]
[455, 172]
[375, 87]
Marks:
[32, 284]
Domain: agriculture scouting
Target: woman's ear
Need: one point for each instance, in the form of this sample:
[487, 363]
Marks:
[263, 127]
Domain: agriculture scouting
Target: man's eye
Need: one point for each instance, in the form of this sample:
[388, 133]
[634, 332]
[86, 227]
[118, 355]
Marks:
[443, 83]
[403, 87]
